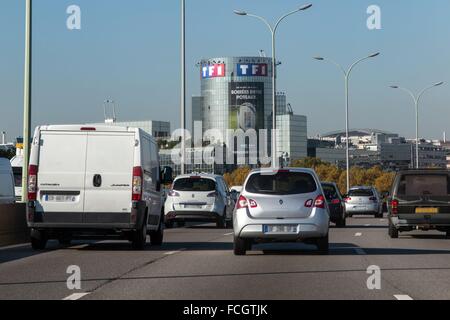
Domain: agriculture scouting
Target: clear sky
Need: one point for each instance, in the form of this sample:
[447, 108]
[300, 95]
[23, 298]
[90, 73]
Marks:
[129, 51]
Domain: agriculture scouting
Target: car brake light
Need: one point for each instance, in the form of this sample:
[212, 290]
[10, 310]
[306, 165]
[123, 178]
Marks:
[88, 129]
[319, 202]
[335, 201]
[394, 207]
[244, 203]
[241, 203]
[137, 184]
[32, 182]
[347, 199]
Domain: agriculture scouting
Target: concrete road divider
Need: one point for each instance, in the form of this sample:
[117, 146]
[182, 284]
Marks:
[13, 225]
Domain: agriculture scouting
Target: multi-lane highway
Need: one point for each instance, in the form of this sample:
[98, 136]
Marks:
[197, 262]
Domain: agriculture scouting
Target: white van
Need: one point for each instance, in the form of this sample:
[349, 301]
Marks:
[7, 195]
[94, 180]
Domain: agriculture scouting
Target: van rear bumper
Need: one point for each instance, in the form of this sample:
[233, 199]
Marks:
[86, 220]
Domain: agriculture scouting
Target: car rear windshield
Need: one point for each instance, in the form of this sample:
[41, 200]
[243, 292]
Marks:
[281, 183]
[424, 185]
[360, 193]
[330, 191]
[194, 184]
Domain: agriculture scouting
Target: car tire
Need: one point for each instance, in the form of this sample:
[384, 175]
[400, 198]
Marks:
[220, 223]
[393, 232]
[156, 237]
[140, 236]
[168, 224]
[38, 240]
[64, 240]
[341, 223]
[240, 246]
[229, 224]
[323, 244]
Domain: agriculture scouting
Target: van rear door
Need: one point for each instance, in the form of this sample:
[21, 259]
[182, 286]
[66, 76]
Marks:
[109, 171]
[61, 175]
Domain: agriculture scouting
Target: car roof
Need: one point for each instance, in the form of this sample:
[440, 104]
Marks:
[362, 187]
[201, 175]
[304, 170]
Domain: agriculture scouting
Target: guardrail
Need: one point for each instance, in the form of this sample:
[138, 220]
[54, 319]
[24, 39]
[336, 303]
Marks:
[13, 225]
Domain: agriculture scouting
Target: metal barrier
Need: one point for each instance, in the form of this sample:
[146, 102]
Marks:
[13, 225]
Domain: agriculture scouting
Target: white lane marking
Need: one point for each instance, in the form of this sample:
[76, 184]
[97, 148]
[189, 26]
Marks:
[358, 234]
[228, 234]
[76, 296]
[169, 253]
[402, 297]
[360, 251]
[81, 246]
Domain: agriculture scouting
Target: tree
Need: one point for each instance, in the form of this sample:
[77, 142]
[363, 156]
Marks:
[9, 153]
[237, 177]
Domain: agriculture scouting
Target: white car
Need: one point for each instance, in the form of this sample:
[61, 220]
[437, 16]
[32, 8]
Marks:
[17, 165]
[94, 180]
[199, 198]
[7, 195]
[281, 205]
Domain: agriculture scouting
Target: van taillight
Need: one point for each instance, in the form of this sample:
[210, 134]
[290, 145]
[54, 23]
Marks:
[32, 182]
[137, 184]
[319, 202]
[394, 207]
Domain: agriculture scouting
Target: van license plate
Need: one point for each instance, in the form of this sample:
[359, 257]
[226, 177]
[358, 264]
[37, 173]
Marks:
[281, 229]
[427, 210]
[59, 198]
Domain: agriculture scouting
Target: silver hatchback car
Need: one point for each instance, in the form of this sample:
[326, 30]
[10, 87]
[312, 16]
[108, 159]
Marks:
[284, 205]
[364, 201]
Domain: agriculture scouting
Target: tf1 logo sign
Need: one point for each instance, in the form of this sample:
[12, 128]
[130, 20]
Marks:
[213, 71]
[252, 70]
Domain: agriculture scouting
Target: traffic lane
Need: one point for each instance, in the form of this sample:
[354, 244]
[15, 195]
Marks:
[28, 274]
[417, 264]
[270, 271]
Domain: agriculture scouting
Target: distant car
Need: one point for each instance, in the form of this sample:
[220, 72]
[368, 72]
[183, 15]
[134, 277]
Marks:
[363, 201]
[199, 198]
[281, 205]
[335, 203]
[7, 194]
[420, 199]
[235, 192]
[17, 165]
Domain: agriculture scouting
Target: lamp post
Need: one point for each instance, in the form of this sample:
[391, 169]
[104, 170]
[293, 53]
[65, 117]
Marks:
[347, 77]
[416, 104]
[183, 86]
[27, 100]
[273, 30]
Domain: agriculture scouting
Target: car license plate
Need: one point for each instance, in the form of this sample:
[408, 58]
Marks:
[427, 210]
[59, 198]
[281, 229]
[192, 206]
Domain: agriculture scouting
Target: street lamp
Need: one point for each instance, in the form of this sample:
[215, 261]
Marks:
[347, 77]
[27, 100]
[273, 30]
[416, 103]
[183, 86]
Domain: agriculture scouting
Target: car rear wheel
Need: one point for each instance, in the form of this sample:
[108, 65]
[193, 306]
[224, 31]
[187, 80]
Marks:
[221, 221]
[140, 236]
[241, 246]
[156, 237]
[38, 240]
[323, 244]
[341, 223]
[393, 232]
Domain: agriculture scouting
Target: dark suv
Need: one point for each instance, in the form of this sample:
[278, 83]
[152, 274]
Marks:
[335, 203]
[420, 199]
